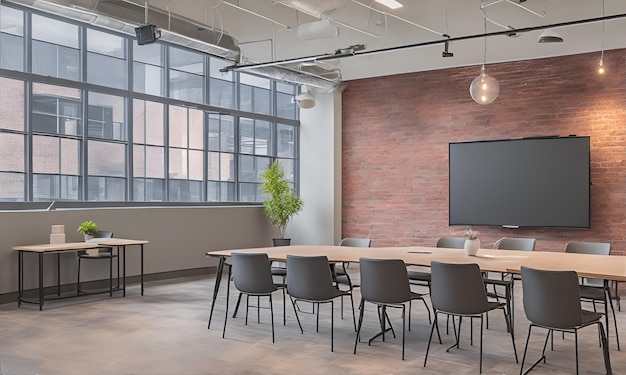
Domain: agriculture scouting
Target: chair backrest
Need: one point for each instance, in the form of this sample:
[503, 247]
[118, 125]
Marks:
[457, 288]
[510, 243]
[451, 242]
[252, 273]
[309, 278]
[597, 248]
[104, 234]
[384, 280]
[551, 298]
[356, 242]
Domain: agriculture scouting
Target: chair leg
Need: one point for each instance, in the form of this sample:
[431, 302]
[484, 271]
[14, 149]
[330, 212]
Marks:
[576, 346]
[512, 335]
[295, 310]
[605, 350]
[332, 325]
[353, 312]
[272, 316]
[247, 306]
[358, 329]
[543, 353]
[610, 301]
[430, 338]
[480, 368]
[227, 297]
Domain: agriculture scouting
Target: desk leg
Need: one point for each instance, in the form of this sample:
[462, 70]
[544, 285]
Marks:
[141, 269]
[20, 277]
[59, 274]
[218, 279]
[40, 281]
[124, 272]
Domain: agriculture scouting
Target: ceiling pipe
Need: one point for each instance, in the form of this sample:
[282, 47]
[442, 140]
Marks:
[422, 44]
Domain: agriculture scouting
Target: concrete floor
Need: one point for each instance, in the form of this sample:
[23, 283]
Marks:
[165, 333]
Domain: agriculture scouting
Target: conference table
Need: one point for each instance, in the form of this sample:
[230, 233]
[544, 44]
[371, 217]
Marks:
[609, 268]
[58, 249]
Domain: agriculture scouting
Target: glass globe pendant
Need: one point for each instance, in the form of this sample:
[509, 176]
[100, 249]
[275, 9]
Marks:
[484, 88]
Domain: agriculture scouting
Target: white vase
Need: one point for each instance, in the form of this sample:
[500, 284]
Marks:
[88, 237]
[471, 246]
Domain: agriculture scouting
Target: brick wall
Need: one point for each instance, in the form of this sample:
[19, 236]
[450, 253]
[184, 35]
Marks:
[396, 131]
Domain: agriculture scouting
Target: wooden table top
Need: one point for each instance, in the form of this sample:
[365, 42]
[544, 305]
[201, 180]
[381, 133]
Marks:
[73, 246]
[489, 260]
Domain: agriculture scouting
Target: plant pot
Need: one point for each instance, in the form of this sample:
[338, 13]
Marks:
[88, 237]
[471, 246]
[282, 241]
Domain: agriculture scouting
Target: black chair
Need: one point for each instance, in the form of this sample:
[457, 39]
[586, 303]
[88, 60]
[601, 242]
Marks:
[252, 276]
[596, 290]
[552, 302]
[384, 282]
[458, 290]
[341, 273]
[309, 279]
[423, 277]
[102, 253]
[507, 281]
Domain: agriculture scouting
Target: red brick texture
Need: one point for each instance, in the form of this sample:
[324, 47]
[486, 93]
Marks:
[396, 131]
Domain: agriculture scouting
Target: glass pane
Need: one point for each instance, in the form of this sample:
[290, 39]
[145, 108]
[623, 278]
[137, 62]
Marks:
[106, 189]
[56, 110]
[220, 167]
[221, 93]
[46, 154]
[215, 65]
[12, 187]
[246, 136]
[148, 79]
[286, 88]
[106, 71]
[54, 187]
[105, 44]
[178, 163]
[285, 145]
[107, 159]
[250, 192]
[70, 156]
[252, 80]
[55, 61]
[148, 122]
[196, 165]
[289, 168]
[251, 166]
[178, 126]
[148, 161]
[221, 133]
[148, 190]
[285, 106]
[196, 129]
[187, 61]
[12, 152]
[148, 53]
[56, 32]
[12, 39]
[11, 104]
[263, 140]
[186, 86]
[106, 117]
[261, 101]
[220, 191]
[185, 191]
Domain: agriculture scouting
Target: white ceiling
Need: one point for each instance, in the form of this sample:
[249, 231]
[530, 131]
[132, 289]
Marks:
[262, 40]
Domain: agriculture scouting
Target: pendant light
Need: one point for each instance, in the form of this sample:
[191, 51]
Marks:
[601, 69]
[484, 88]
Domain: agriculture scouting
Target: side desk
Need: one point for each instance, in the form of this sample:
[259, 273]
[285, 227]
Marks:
[58, 249]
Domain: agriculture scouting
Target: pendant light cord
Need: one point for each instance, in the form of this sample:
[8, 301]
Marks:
[603, 23]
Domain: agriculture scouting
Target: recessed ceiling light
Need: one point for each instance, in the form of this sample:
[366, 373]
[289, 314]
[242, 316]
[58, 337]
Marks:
[393, 4]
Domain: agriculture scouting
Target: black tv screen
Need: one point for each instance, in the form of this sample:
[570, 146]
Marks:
[537, 182]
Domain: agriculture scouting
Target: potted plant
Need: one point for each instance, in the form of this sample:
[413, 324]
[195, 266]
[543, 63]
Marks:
[88, 229]
[281, 203]
[472, 243]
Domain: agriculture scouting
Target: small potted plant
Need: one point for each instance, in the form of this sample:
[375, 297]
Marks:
[88, 229]
[281, 203]
[472, 243]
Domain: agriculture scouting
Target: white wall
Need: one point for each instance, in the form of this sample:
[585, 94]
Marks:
[319, 223]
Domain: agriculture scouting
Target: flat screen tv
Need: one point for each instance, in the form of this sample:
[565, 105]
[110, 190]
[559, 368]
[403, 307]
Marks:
[527, 182]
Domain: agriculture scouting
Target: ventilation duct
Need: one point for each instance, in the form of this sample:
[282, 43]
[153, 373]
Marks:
[302, 77]
[124, 16]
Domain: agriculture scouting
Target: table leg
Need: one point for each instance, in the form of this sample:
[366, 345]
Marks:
[124, 272]
[141, 269]
[59, 274]
[216, 288]
[40, 281]
[20, 277]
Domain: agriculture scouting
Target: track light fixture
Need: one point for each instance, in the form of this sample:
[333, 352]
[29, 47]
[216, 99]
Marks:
[446, 44]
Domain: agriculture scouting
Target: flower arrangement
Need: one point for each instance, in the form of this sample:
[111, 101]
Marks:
[88, 228]
[471, 234]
